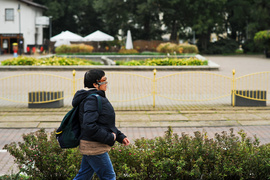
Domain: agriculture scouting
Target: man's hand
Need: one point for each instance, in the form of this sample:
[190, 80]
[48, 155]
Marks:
[126, 142]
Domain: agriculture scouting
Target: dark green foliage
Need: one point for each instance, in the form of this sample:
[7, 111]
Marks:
[40, 157]
[226, 156]
[223, 46]
[251, 47]
[14, 177]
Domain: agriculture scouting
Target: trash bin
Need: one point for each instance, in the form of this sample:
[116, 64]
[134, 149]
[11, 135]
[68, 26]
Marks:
[43, 99]
[243, 98]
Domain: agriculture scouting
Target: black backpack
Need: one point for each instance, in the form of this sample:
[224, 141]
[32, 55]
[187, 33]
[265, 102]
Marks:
[68, 134]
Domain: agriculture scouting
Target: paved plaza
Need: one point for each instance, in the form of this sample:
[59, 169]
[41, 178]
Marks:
[150, 123]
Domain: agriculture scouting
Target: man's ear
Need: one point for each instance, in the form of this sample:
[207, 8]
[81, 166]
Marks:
[95, 85]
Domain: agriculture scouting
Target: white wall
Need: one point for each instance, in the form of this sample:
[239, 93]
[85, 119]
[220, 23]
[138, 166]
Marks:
[28, 16]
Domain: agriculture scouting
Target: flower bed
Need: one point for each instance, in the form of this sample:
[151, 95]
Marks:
[52, 61]
[63, 61]
[165, 62]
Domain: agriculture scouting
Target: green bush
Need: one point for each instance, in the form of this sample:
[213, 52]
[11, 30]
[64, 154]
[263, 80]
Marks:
[74, 48]
[41, 157]
[14, 176]
[262, 37]
[226, 156]
[178, 49]
[250, 46]
[222, 46]
[52, 61]
[167, 62]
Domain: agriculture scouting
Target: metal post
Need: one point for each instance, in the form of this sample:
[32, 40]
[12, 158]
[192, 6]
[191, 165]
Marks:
[50, 28]
[74, 82]
[154, 88]
[19, 45]
[233, 88]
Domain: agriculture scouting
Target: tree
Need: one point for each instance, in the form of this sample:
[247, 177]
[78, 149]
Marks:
[260, 17]
[139, 16]
[238, 17]
[176, 16]
[114, 15]
[207, 17]
[78, 17]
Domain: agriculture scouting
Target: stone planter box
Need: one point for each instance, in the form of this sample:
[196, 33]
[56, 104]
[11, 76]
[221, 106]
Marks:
[243, 101]
[43, 99]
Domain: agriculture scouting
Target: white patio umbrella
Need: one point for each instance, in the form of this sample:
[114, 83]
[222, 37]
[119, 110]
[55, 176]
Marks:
[129, 44]
[61, 42]
[98, 36]
[67, 35]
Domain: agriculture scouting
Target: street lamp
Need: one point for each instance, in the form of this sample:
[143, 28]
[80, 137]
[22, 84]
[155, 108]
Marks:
[20, 41]
[50, 34]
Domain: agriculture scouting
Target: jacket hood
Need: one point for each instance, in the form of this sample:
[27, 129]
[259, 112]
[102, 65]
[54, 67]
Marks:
[83, 93]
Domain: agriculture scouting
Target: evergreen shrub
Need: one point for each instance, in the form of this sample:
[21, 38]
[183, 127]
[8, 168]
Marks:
[226, 156]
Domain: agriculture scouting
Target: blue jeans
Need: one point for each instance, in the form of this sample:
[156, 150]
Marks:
[99, 164]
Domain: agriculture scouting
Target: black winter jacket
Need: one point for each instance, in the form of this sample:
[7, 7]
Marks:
[95, 126]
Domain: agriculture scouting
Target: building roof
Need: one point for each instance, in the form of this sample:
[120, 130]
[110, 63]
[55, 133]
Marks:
[34, 4]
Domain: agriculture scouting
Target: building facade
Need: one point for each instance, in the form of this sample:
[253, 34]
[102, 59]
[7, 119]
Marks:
[21, 22]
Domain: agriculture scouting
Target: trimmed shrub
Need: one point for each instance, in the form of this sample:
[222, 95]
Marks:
[226, 156]
[179, 49]
[52, 61]
[74, 48]
[128, 51]
[167, 62]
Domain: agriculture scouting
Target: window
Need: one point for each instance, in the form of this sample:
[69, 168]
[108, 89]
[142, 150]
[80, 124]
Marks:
[9, 14]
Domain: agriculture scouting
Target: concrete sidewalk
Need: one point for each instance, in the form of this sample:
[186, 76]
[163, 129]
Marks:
[232, 116]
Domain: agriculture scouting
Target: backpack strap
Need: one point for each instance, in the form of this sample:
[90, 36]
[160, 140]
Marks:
[99, 102]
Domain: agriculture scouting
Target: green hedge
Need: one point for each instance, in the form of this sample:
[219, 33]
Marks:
[165, 62]
[226, 156]
[52, 61]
